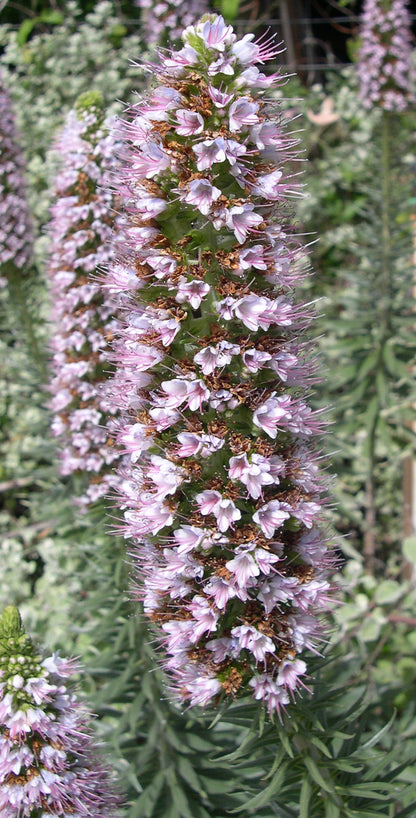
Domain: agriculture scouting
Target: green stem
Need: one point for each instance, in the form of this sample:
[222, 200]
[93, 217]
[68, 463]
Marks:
[16, 290]
[385, 303]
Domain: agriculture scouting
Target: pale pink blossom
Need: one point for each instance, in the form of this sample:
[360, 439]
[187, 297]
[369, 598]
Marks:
[241, 219]
[271, 516]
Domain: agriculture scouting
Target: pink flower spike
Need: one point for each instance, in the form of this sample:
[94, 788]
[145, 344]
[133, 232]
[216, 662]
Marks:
[219, 485]
[207, 501]
[255, 359]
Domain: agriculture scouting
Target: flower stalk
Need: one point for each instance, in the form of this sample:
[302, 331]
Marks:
[80, 231]
[16, 235]
[164, 21]
[222, 493]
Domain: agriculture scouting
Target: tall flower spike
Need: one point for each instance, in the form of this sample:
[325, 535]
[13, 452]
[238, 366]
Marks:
[80, 231]
[16, 238]
[385, 57]
[222, 494]
[47, 765]
[164, 20]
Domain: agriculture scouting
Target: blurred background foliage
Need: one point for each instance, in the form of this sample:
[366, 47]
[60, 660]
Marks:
[350, 750]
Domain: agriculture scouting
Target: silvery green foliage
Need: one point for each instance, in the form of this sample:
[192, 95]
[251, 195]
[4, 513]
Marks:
[41, 566]
[371, 378]
[48, 73]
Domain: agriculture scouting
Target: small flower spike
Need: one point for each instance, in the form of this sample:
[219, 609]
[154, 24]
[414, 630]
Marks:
[385, 57]
[47, 765]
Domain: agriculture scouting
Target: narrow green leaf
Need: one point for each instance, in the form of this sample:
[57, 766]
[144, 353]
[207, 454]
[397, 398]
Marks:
[145, 803]
[25, 30]
[178, 795]
[374, 739]
[305, 798]
[331, 809]
[316, 774]
[188, 773]
[264, 797]
[51, 16]
[362, 791]
[321, 746]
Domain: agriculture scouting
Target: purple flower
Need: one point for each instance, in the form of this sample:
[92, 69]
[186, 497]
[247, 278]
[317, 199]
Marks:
[16, 238]
[385, 57]
[221, 494]
[47, 761]
[80, 232]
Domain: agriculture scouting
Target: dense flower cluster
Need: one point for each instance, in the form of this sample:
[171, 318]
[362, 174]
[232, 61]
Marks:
[385, 58]
[47, 765]
[164, 20]
[16, 238]
[80, 231]
[222, 496]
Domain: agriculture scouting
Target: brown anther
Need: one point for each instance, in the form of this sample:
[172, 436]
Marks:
[247, 533]
[228, 261]
[185, 365]
[142, 270]
[238, 443]
[194, 469]
[199, 655]
[233, 681]
[194, 424]
[217, 428]
[232, 491]
[197, 519]
[185, 240]
[223, 572]
[304, 573]
[264, 447]
[227, 287]
[161, 127]
[215, 484]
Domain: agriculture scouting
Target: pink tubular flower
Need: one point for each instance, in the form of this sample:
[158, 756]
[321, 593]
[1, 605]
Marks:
[80, 231]
[385, 57]
[16, 237]
[47, 760]
[222, 494]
